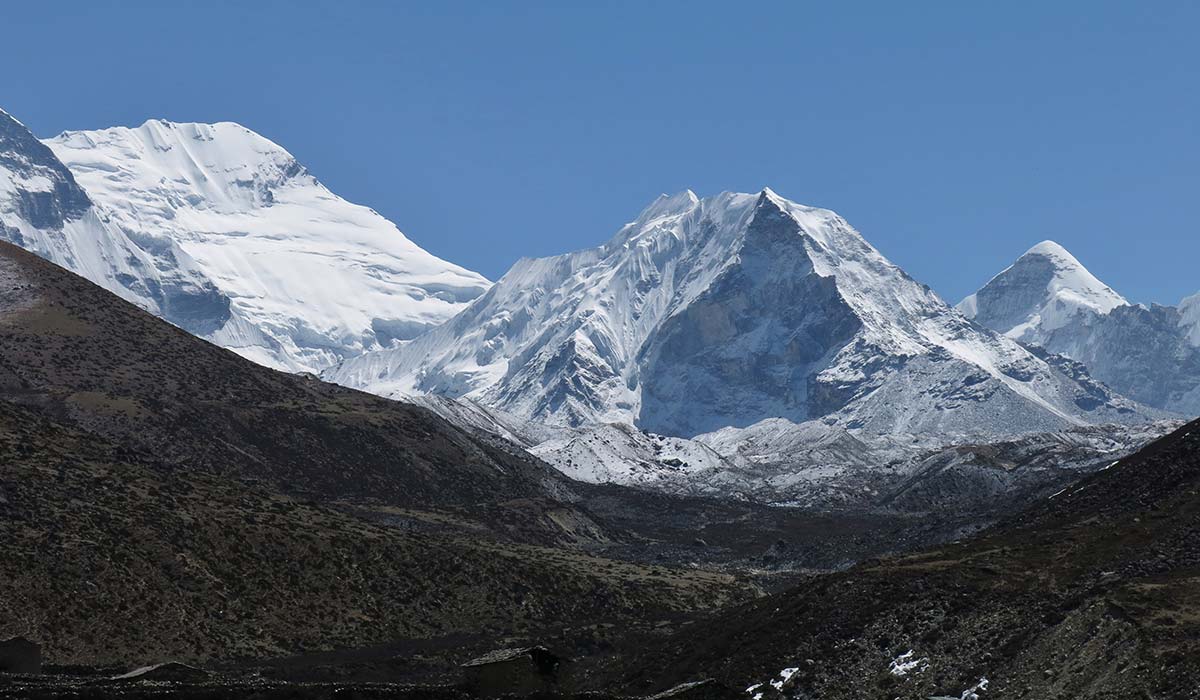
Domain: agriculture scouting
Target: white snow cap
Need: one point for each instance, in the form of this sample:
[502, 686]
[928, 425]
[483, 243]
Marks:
[1069, 288]
[1052, 249]
[668, 205]
[1074, 280]
[311, 277]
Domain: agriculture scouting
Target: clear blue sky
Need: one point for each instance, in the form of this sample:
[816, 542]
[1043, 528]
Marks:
[954, 135]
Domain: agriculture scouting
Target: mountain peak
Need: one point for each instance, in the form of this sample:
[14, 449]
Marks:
[1052, 249]
[1073, 279]
[220, 151]
[725, 311]
[1063, 260]
[668, 205]
[238, 210]
[203, 130]
[1038, 293]
[768, 197]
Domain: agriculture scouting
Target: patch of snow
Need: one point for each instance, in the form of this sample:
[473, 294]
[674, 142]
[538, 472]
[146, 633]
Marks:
[756, 692]
[620, 453]
[784, 676]
[907, 663]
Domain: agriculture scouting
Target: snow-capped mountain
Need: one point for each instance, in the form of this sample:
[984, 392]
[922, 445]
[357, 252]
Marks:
[224, 233]
[1047, 298]
[43, 209]
[1044, 290]
[708, 313]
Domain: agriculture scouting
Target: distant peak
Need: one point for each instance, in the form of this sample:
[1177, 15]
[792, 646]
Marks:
[771, 198]
[1039, 293]
[769, 195]
[168, 124]
[160, 125]
[1070, 274]
[232, 139]
[669, 205]
[783, 204]
[684, 198]
[201, 131]
[1073, 278]
[1051, 249]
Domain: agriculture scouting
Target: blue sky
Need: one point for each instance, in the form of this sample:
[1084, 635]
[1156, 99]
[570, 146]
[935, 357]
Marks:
[954, 135]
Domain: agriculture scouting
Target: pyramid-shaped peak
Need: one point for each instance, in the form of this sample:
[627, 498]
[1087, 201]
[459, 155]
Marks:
[1071, 277]
[768, 196]
[1039, 293]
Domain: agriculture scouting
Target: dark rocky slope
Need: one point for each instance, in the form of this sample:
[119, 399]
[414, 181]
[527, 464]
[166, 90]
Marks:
[161, 498]
[1093, 593]
[79, 354]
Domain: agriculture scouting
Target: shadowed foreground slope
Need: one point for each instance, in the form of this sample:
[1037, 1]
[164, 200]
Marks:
[76, 352]
[1093, 593]
[161, 498]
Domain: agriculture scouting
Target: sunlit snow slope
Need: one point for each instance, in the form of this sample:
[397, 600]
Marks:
[309, 278]
[707, 313]
[43, 209]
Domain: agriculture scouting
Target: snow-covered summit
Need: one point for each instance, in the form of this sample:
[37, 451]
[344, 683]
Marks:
[1039, 293]
[45, 210]
[1146, 352]
[724, 311]
[310, 278]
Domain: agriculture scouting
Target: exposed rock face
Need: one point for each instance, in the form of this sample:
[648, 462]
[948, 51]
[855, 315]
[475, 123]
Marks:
[703, 314]
[1148, 353]
[1138, 350]
[744, 348]
[43, 191]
